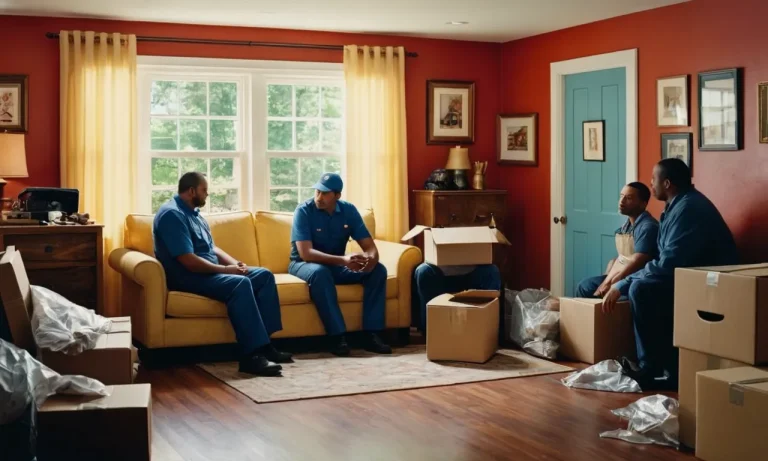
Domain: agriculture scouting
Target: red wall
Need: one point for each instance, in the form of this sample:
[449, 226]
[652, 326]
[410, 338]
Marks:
[682, 39]
[37, 56]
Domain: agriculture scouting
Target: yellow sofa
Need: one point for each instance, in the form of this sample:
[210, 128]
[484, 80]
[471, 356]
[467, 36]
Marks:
[162, 318]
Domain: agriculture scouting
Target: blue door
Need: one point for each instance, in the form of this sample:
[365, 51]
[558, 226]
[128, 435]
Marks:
[592, 187]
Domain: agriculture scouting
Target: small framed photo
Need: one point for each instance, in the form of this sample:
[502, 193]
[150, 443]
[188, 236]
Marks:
[762, 112]
[594, 141]
[450, 112]
[516, 139]
[13, 103]
[677, 145]
[672, 101]
[720, 111]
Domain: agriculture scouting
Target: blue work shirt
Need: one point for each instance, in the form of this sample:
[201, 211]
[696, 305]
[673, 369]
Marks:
[645, 234]
[692, 233]
[179, 230]
[328, 232]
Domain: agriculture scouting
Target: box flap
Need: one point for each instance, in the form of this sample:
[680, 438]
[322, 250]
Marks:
[464, 235]
[120, 325]
[590, 301]
[413, 232]
[467, 299]
[17, 298]
[746, 377]
[124, 396]
[749, 270]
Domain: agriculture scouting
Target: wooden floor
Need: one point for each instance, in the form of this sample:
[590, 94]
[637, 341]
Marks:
[198, 418]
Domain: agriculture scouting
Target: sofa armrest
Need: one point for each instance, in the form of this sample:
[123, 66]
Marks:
[144, 294]
[400, 261]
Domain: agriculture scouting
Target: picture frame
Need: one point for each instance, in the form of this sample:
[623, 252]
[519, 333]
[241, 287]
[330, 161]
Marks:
[678, 145]
[673, 101]
[14, 103]
[593, 133]
[720, 110]
[762, 112]
[450, 112]
[517, 139]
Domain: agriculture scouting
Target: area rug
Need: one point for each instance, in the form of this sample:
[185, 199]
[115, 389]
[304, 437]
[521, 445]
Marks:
[324, 375]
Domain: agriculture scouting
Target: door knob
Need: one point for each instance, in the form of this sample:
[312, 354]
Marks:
[561, 220]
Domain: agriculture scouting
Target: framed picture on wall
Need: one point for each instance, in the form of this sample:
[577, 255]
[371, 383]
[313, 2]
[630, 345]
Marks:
[720, 111]
[594, 141]
[672, 101]
[762, 112]
[516, 139]
[13, 103]
[450, 112]
[677, 145]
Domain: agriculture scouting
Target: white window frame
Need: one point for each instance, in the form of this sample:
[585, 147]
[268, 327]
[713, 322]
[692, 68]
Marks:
[252, 101]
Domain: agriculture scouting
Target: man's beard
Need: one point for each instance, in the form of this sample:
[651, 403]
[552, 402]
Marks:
[198, 202]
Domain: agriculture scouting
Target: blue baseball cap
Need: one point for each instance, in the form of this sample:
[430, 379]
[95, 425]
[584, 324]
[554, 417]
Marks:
[330, 182]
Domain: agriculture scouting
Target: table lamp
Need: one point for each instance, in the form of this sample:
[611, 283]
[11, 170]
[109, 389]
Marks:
[13, 160]
[458, 162]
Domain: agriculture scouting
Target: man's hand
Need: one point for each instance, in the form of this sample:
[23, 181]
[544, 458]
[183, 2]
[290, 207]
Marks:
[236, 269]
[355, 262]
[609, 301]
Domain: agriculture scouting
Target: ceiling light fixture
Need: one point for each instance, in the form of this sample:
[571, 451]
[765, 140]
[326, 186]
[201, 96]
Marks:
[457, 23]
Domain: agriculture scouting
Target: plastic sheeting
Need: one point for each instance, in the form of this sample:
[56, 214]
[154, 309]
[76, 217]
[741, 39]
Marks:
[24, 380]
[604, 376]
[652, 420]
[534, 321]
[62, 326]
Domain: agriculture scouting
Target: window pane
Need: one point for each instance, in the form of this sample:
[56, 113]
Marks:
[223, 98]
[306, 194]
[165, 171]
[333, 165]
[222, 171]
[311, 170]
[279, 101]
[162, 134]
[307, 101]
[192, 135]
[223, 135]
[331, 136]
[224, 200]
[283, 199]
[163, 100]
[279, 135]
[308, 136]
[284, 171]
[332, 103]
[159, 197]
[192, 97]
[194, 164]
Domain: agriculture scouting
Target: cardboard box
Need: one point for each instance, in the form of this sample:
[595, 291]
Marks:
[458, 246]
[116, 427]
[16, 298]
[732, 414]
[692, 362]
[463, 327]
[587, 335]
[723, 311]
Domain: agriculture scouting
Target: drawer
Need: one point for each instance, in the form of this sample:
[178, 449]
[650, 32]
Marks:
[77, 284]
[52, 248]
[468, 210]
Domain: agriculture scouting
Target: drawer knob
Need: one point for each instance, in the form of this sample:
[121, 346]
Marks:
[48, 249]
[453, 216]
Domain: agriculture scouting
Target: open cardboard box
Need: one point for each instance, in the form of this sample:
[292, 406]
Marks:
[458, 246]
[464, 326]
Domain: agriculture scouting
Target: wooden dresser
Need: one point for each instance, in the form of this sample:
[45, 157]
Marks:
[65, 259]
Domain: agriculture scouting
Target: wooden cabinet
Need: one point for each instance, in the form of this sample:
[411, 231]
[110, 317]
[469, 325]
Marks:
[65, 259]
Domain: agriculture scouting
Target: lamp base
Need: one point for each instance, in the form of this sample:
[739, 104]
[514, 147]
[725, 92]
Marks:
[460, 179]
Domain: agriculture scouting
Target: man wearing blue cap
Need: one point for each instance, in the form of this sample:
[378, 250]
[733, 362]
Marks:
[321, 229]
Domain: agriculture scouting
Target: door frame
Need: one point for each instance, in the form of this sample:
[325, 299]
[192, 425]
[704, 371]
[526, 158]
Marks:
[558, 71]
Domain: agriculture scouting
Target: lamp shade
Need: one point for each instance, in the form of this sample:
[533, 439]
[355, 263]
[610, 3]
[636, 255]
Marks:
[458, 159]
[13, 156]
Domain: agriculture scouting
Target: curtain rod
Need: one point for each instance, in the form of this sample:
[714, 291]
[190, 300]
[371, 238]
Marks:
[202, 41]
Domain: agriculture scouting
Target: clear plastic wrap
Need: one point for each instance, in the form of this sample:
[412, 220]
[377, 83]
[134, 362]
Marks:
[603, 376]
[652, 420]
[533, 321]
[24, 380]
[62, 326]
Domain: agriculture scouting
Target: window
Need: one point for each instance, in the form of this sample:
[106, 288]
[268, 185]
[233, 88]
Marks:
[263, 132]
[304, 139]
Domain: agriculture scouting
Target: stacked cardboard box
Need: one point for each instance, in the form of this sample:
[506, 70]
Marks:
[721, 323]
[587, 335]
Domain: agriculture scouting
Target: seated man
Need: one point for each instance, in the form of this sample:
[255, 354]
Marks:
[635, 242]
[193, 264]
[321, 229]
[692, 233]
[431, 281]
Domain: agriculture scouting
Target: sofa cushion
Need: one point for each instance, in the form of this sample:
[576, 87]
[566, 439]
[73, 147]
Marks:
[138, 233]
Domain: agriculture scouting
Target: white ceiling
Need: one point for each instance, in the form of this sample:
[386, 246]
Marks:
[489, 20]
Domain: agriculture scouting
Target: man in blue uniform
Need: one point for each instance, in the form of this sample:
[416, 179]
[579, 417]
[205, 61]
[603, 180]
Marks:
[321, 229]
[635, 242]
[692, 233]
[193, 264]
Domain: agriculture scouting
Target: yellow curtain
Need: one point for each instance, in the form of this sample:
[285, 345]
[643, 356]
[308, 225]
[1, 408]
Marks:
[377, 173]
[99, 134]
